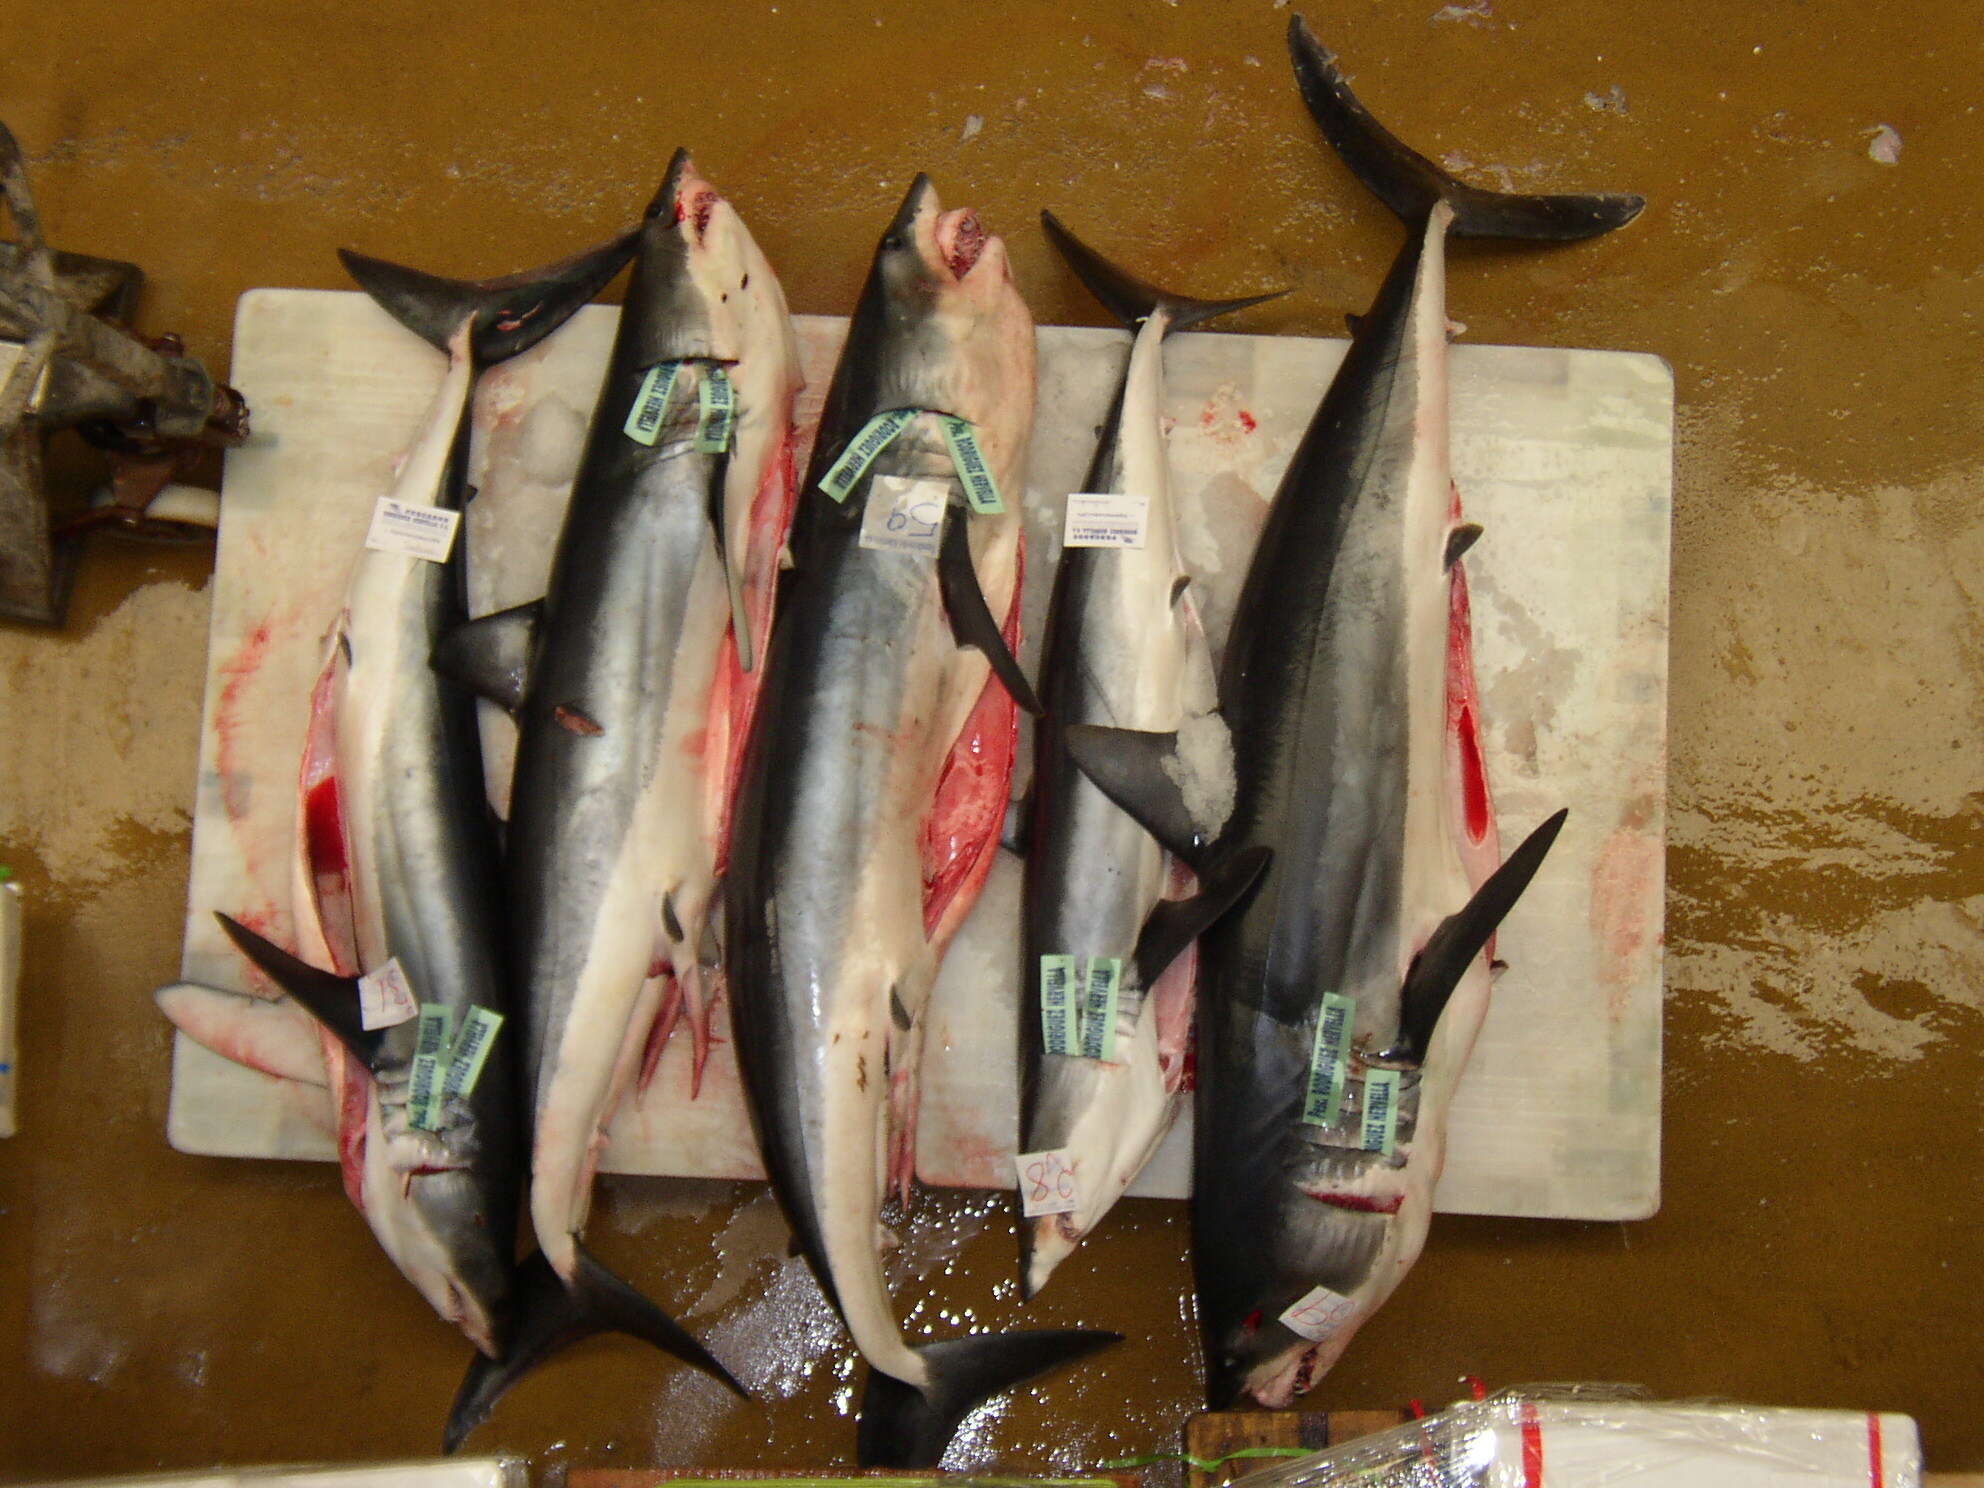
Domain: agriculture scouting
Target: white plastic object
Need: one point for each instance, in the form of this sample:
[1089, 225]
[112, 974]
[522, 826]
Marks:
[1599, 1437]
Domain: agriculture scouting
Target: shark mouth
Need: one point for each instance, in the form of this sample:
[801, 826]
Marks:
[960, 239]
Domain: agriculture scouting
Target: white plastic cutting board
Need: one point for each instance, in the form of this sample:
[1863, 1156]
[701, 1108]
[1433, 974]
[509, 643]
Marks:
[1564, 457]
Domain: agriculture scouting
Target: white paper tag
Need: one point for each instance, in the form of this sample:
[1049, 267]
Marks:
[1099, 519]
[1319, 1313]
[384, 998]
[1047, 1182]
[904, 515]
[417, 531]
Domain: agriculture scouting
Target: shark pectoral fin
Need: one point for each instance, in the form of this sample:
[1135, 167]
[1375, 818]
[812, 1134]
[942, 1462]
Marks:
[550, 1314]
[902, 1426]
[1017, 831]
[1461, 937]
[491, 656]
[971, 618]
[264, 1034]
[1140, 773]
[1460, 540]
[733, 576]
[329, 998]
[1176, 923]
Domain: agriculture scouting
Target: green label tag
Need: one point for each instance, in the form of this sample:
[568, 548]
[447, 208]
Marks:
[1105, 979]
[1380, 1110]
[716, 402]
[643, 424]
[465, 1060]
[877, 435]
[435, 1032]
[1058, 1031]
[1323, 1098]
[979, 487]
[430, 1052]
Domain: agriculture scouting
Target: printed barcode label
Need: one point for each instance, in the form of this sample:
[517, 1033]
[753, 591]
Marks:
[643, 424]
[384, 998]
[1047, 1182]
[979, 487]
[1104, 520]
[1058, 1031]
[905, 516]
[1380, 1110]
[437, 1030]
[716, 411]
[1322, 1101]
[417, 531]
[430, 1049]
[1099, 991]
[875, 436]
[471, 1049]
[1318, 1314]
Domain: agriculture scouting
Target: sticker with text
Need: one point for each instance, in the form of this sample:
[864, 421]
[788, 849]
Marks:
[904, 515]
[1047, 1182]
[1319, 1313]
[1099, 993]
[384, 998]
[643, 424]
[1099, 519]
[417, 531]
[1060, 1031]
[1380, 1110]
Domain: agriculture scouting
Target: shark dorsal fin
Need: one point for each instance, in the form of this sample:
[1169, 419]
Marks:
[491, 656]
[1176, 923]
[1459, 939]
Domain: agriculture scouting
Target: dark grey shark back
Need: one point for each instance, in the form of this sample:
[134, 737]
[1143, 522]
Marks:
[1319, 716]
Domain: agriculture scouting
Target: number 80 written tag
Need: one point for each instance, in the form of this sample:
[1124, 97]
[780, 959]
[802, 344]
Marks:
[1047, 1182]
[903, 515]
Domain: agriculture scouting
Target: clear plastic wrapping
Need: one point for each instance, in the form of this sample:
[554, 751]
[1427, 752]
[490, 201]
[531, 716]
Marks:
[1601, 1436]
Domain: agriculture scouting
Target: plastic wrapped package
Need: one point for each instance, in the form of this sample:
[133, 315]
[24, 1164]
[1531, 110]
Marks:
[1586, 1437]
[452, 1472]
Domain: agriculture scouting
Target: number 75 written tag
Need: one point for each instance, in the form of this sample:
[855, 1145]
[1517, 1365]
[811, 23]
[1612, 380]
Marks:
[904, 515]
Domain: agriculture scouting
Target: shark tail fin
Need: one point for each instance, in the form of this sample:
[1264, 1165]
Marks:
[904, 1427]
[509, 315]
[1412, 186]
[1129, 298]
[549, 1314]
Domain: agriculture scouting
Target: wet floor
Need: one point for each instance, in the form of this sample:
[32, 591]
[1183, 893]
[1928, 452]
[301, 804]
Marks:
[1810, 265]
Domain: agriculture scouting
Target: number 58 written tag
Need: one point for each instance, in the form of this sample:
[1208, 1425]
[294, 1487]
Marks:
[903, 515]
[1047, 1182]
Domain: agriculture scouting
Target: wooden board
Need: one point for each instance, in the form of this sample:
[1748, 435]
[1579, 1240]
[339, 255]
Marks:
[1564, 456]
[1215, 1440]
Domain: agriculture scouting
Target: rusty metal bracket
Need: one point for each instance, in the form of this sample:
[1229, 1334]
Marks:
[70, 360]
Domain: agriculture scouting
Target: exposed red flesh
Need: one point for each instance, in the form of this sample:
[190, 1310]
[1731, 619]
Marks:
[961, 239]
[961, 834]
[734, 699]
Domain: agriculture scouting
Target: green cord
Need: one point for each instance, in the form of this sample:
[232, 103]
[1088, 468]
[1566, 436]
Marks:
[1206, 1464]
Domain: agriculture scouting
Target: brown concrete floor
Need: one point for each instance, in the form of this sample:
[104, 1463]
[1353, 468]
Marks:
[1822, 311]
